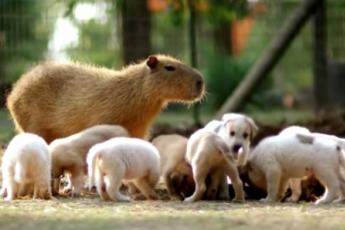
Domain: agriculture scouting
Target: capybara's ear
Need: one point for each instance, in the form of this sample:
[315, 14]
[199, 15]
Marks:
[152, 62]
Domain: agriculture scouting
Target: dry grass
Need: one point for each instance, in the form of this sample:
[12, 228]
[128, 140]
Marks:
[91, 213]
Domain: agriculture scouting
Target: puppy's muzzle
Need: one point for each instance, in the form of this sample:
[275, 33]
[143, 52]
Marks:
[236, 148]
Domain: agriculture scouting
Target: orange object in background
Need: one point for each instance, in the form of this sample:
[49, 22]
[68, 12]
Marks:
[240, 30]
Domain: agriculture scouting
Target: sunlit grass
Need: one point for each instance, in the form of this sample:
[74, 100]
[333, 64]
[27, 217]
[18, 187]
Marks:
[91, 213]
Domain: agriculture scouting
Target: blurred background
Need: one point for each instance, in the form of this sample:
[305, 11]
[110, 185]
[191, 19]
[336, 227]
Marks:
[222, 38]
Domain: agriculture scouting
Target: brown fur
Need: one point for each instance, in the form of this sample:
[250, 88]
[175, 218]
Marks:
[59, 99]
[175, 170]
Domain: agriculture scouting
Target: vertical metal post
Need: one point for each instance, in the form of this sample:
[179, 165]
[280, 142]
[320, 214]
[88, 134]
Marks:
[321, 93]
[193, 53]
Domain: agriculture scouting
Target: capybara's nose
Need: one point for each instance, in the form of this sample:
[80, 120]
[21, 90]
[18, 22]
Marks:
[236, 148]
[199, 85]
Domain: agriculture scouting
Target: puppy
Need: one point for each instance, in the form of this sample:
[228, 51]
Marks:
[130, 159]
[25, 165]
[278, 159]
[175, 171]
[69, 155]
[208, 154]
[237, 131]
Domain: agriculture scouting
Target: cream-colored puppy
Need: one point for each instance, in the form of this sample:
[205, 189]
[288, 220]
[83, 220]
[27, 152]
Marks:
[289, 155]
[129, 159]
[237, 130]
[208, 154]
[26, 163]
[295, 184]
[175, 171]
[69, 155]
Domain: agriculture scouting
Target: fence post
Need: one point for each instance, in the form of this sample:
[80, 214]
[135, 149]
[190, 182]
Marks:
[193, 54]
[320, 58]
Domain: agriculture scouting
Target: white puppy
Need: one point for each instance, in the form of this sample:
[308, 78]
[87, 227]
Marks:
[208, 154]
[26, 163]
[130, 159]
[237, 130]
[295, 184]
[69, 155]
[291, 155]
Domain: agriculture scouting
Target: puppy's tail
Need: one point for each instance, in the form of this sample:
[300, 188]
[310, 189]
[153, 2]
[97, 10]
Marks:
[91, 162]
[224, 149]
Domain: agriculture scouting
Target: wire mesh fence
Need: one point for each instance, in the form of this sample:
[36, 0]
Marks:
[100, 32]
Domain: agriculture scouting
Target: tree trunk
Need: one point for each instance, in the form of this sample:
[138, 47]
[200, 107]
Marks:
[136, 28]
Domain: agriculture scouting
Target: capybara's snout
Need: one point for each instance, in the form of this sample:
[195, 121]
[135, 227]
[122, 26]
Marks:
[199, 86]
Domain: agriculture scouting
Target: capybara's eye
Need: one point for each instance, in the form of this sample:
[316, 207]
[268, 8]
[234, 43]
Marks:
[169, 68]
[232, 133]
[245, 135]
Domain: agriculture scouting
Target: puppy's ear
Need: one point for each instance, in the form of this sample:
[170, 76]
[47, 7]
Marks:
[253, 127]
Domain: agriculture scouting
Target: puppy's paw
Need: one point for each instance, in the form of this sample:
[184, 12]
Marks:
[189, 200]
[267, 200]
[292, 199]
[238, 200]
[321, 202]
[8, 198]
[224, 197]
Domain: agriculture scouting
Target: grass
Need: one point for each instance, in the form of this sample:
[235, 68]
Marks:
[91, 213]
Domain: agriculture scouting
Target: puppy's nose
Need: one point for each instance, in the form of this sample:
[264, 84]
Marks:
[236, 148]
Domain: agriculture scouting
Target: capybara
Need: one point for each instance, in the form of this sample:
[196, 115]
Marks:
[130, 159]
[69, 154]
[25, 165]
[175, 171]
[56, 100]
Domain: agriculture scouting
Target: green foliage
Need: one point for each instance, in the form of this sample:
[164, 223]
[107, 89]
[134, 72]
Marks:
[24, 35]
[221, 11]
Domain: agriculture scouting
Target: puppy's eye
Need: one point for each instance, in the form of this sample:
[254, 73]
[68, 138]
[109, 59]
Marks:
[232, 133]
[169, 68]
[245, 135]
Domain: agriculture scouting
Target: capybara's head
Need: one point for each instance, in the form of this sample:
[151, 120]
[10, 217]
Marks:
[173, 80]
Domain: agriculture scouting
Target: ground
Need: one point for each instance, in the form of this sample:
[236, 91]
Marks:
[91, 213]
